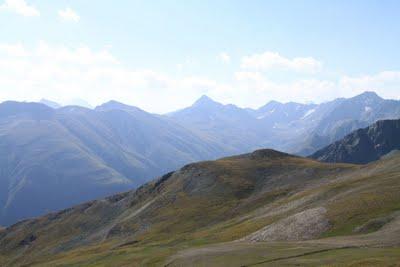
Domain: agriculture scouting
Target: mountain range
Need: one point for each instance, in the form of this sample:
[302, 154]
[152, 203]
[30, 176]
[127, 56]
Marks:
[72, 102]
[264, 208]
[261, 208]
[52, 157]
[292, 127]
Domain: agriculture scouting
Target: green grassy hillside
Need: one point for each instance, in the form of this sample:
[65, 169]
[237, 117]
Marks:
[261, 208]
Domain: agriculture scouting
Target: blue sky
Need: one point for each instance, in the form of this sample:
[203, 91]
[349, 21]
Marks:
[162, 55]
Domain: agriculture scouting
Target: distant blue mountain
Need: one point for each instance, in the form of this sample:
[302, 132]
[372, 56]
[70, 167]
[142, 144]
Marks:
[54, 158]
[291, 127]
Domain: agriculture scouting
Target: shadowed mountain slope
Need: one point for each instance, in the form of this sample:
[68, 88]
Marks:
[363, 145]
[157, 138]
[264, 196]
[51, 159]
[44, 166]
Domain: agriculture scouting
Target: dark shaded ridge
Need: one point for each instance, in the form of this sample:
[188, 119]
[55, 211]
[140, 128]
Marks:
[363, 145]
[268, 154]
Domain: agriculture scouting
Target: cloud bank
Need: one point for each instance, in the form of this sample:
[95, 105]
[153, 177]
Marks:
[272, 60]
[20, 7]
[68, 14]
[62, 73]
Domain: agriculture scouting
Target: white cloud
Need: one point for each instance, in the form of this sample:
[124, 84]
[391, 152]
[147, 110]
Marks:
[254, 86]
[69, 15]
[62, 73]
[16, 50]
[257, 87]
[187, 64]
[271, 60]
[20, 7]
[224, 57]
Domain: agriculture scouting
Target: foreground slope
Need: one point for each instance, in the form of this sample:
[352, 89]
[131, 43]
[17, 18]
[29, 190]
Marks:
[363, 145]
[252, 203]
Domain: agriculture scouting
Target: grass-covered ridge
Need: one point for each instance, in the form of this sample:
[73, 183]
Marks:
[202, 210]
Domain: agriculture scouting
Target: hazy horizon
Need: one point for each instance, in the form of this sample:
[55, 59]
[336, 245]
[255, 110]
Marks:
[83, 103]
[163, 56]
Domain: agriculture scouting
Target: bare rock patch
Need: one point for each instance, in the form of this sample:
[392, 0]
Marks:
[305, 225]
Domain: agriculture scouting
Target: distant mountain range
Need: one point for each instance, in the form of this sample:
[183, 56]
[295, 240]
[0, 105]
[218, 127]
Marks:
[233, 127]
[52, 157]
[73, 102]
[293, 127]
[363, 145]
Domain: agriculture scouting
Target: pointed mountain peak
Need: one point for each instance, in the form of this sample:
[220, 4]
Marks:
[269, 105]
[205, 101]
[368, 95]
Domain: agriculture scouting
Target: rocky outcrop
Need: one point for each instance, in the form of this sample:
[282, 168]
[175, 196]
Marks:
[304, 225]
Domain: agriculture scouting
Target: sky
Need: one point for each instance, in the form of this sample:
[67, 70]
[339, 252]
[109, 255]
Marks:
[163, 55]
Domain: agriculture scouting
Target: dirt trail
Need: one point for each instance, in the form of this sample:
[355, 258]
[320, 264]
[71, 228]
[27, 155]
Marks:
[295, 256]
